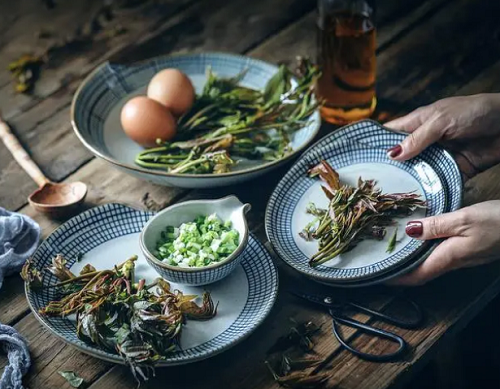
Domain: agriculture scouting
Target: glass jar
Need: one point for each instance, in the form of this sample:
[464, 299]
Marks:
[346, 44]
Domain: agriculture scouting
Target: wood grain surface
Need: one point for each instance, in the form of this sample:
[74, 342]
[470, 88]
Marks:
[426, 52]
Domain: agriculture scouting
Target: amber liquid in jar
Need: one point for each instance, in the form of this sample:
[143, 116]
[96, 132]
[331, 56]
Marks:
[346, 53]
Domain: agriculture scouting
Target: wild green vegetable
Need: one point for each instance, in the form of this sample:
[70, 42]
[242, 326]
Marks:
[229, 122]
[286, 363]
[73, 379]
[353, 214]
[392, 242]
[202, 242]
[141, 323]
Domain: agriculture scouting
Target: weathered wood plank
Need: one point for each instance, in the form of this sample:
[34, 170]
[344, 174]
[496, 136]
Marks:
[12, 301]
[108, 185]
[15, 184]
[50, 355]
[480, 361]
[447, 315]
[63, 22]
[132, 190]
[448, 52]
[247, 359]
[67, 152]
[299, 38]
[113, 378]
[206, 26]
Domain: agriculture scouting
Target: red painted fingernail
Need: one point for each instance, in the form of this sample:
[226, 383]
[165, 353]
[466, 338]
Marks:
[414, 229]
[395, 151]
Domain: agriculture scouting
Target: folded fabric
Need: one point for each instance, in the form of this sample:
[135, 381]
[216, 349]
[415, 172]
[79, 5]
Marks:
[18, 240]
[18, 357]
[19, 236]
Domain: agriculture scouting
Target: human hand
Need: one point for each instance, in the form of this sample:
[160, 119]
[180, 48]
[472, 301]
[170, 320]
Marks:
[473, 239]
[468, 126]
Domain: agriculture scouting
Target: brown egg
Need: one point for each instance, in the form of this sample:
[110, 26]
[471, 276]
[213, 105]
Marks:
[145, 120]
[173, 89]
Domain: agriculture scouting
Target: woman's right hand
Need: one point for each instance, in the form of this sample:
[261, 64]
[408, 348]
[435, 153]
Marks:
[473, 240]
[468, 126]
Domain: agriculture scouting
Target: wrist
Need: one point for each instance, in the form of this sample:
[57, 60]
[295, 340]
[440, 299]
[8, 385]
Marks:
[490, 103]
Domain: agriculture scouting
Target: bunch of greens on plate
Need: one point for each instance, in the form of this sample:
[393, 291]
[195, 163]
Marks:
[353, 214]
[141, 323]
[229, 121]
[200, 243]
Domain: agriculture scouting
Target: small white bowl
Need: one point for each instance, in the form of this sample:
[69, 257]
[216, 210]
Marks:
[226, 208]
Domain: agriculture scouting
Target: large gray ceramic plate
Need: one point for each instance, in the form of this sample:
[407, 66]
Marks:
[95, 114]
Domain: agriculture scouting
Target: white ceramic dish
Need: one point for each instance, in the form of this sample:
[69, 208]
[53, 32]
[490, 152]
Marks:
[98, 101]
[226, 208]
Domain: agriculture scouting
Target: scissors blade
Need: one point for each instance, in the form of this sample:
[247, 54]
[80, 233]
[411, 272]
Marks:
[314, 298]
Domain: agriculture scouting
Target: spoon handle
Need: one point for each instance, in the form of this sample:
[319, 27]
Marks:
[20, 155]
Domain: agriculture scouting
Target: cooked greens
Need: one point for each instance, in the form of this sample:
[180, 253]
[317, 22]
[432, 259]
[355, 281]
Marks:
[228, 122]
[141, 323]
[286, 362]
[202, 242]
[73, 379]
[353, 214]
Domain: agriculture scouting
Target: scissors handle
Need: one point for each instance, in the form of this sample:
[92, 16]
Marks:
[402, 345]
[408, 324]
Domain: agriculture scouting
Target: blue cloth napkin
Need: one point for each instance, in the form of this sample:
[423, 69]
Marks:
[18, 356]
[18, 240]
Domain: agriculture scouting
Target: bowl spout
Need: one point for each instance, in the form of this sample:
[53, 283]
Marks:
[233, 203]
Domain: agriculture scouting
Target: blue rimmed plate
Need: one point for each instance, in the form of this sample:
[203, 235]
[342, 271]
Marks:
[359, 150]
[109, 234]
[96, 106]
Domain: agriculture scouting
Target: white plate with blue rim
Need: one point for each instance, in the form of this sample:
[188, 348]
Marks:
[360, 150]
[108, 235]
[96, 106]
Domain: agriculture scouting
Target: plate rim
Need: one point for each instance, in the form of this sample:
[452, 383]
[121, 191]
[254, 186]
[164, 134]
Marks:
[422, 252]
[204, 176]
[89, 350]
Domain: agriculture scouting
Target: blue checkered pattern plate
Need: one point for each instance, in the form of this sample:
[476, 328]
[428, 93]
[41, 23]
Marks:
[360, 150]
[95, 114]
[109, 234]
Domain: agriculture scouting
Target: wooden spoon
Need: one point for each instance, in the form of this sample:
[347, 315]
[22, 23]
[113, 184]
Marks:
[54, 199]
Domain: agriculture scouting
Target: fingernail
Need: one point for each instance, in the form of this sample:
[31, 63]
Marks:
[394, 151]
[414, 229]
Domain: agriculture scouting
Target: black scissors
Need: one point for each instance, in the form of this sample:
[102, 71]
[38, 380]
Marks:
[336, 309]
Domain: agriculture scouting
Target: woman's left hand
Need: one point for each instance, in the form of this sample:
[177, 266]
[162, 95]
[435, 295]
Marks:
[473, 239]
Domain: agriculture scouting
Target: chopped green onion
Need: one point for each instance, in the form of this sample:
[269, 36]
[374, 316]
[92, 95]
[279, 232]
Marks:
[204, 241]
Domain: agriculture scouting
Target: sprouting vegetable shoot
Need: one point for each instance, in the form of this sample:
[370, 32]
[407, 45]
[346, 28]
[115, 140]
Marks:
[204, 241]
[229, 122]
[353, 214]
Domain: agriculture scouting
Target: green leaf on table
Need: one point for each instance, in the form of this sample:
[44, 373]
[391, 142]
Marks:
[73, 379]
[392, 242]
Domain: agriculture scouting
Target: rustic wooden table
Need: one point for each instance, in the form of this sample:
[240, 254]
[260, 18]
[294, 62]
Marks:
[427, 50]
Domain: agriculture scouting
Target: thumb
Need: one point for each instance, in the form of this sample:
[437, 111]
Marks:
[424, 136]
[440, 226]
[410, 122]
